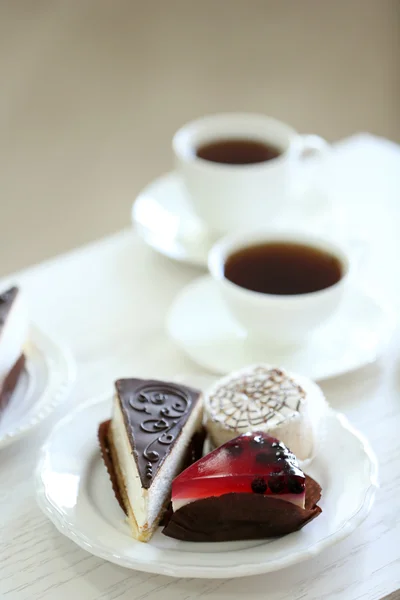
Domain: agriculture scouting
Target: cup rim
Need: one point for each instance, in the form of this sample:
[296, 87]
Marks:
[184, 147]
[231, 243]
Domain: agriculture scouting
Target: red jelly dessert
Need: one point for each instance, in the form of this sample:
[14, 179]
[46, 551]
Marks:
[251, 463]
[249, 488]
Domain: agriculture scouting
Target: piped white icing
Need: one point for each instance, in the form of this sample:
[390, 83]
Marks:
[264, 398]
[248, 399]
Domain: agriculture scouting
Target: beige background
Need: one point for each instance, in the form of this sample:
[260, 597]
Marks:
[92, 90]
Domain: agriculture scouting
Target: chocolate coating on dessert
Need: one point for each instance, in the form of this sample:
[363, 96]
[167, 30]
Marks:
[155, 413]
[6, 300]
[102, 435]
[242, 517]
[10, 382]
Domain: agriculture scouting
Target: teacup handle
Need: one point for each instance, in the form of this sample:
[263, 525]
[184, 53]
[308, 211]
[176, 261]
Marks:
[313, 145]
[315, 148]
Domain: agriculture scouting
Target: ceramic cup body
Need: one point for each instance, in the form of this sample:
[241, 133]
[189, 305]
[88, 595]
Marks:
[281, 320]
[231, 197]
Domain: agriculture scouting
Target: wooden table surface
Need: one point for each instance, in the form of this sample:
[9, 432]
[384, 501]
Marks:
[108, 302]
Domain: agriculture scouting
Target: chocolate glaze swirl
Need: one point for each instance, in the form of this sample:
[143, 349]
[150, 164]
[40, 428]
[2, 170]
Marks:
[155, 413]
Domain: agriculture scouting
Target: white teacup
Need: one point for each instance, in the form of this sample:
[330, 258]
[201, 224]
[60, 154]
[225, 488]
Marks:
[228, 197]
[284, 320]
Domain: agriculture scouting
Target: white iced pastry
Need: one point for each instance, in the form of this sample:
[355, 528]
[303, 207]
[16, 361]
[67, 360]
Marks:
[264, 398]
[14, 326]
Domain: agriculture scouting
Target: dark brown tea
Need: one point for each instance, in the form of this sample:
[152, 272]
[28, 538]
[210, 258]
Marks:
[283, 268]
[237, 152]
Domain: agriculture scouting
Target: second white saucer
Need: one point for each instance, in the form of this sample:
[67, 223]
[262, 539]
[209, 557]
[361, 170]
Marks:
[164, 218]
[200, 324]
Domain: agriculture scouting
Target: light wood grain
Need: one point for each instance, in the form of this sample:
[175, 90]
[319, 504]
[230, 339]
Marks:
[108, 302]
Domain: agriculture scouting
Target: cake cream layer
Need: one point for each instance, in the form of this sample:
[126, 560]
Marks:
[296, 499]
[13, 331]
[147, 503]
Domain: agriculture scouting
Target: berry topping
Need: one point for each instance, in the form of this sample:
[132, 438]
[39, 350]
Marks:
[290, 469]
[295, 485]
[281, 454]
[235, 449]
[252, 461]
[276, 483]
[259, 485]
[257, 441]
[263, 458]
[278, 445]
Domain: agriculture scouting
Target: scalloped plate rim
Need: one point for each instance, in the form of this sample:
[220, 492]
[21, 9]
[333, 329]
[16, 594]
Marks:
[237, 569]
[55, 392]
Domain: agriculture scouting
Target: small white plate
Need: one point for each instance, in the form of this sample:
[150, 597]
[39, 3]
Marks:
[201, 325]
[45, 382]
[164, 218]
[74, 491]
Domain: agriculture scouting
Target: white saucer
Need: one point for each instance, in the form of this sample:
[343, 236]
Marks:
[163, 217]
[165, 220]
[74, 491]
[48, 377]
[199, 323]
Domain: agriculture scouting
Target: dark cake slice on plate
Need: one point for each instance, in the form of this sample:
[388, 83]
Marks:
[251, 487]
[13, 335]
[151, 430]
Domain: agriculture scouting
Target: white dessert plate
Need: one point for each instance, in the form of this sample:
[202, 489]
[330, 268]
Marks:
[200, 324]
[74, 491]
[163, 217]
[45, 382]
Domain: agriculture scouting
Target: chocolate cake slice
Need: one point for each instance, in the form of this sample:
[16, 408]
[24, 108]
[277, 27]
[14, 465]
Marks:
[251, 487]
[13, 334]
[151, 429]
